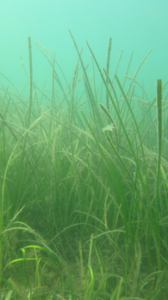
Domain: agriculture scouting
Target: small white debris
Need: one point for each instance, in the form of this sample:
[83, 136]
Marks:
[108, 128]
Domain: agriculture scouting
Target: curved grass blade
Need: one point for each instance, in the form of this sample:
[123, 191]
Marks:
[88, 86]
[103, 155]
[136, 72]
[3, 186]
[118, 115]
[30, 82]
[137, 127]
[107, 69]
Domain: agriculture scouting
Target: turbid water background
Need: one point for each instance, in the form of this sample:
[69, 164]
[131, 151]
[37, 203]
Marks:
[134, 25]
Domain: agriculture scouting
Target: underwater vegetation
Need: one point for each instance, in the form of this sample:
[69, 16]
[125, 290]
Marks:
[84, 186]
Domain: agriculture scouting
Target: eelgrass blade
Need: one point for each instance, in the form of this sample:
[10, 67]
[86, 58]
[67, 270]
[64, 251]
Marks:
[67, 128]
[30, 82]
[118, 63]
[71, 287]
[129, 143]
[9, 127]
[90, 251]
[52, 83]
[113, 89]
[117, 187]
[90, 288]
[3, 187]
[52, 92]
[128, 68]
[119, 157]
[88, 86]
[157, 286]
[137, 128]
[136, 72]
[135, 286]
[74, 83]
[9, 294]
[107, 70]
[103, 155]
[17, 289]
[159, 144]
[119, 288]
[10, 82]
[39, 240]
[159, 137]
[142, 88]
[3, 100]
[55, 73]
[118, 114]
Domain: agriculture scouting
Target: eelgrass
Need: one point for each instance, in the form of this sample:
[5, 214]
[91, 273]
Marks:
[80, 188]
[159, 141]
[30, 83]
[107, 70]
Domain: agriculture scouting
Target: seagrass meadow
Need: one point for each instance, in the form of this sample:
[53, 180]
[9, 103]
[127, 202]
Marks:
[84, 185]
